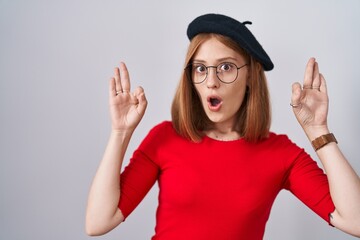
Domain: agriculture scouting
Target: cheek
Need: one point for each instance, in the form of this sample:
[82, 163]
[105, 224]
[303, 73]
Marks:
[238, 94]
[235, 101]
[199, 93]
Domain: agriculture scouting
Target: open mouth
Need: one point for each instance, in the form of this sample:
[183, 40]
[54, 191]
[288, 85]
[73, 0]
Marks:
[214, 102]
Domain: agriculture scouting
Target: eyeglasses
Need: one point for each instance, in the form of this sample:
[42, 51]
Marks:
[225, 72]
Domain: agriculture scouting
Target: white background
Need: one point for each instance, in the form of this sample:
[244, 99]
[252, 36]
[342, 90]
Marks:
[56, 58]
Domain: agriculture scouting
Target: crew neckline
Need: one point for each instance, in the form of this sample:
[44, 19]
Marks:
[223, 141]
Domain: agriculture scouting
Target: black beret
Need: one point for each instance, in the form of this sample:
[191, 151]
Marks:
[237, 31]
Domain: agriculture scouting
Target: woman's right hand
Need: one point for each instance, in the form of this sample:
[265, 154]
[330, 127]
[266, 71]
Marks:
[126, 108]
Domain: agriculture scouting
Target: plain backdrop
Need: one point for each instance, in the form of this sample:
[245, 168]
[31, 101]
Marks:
[56, 58]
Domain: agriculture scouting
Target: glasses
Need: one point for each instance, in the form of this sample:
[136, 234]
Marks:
[225, 72]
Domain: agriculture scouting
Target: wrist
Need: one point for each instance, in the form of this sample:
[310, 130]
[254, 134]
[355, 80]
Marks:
[121, 133]
[316, 131]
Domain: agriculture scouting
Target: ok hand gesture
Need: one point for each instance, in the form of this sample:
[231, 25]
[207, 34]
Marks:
[126, 108]
[310, 102]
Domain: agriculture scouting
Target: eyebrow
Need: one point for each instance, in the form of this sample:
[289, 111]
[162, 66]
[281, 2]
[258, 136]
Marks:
[217, 60]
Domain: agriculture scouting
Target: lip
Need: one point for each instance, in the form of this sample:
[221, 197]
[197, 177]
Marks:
[218, 106]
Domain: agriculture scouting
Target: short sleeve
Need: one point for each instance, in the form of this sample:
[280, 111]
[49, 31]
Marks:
[135, 182]
[143, 170]
[308, 182]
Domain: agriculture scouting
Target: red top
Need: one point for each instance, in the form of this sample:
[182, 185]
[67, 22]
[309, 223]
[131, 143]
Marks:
[219, 189]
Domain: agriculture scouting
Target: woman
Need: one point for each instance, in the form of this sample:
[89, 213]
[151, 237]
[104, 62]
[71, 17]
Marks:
[218, 166]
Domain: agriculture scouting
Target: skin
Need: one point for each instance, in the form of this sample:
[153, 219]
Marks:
[211, 53]
[127, 109]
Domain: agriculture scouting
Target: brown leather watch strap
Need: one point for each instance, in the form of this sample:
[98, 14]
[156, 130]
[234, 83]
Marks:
[321, 141]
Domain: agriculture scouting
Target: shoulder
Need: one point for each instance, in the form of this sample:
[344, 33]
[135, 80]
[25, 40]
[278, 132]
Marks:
[282, 147]
[281, 143]
[161, 133]
[162, 129]
[161, 140]
[163, 125]
[278, 139]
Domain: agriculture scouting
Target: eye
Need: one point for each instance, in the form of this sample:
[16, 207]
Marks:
[225, 67]
[199, 68]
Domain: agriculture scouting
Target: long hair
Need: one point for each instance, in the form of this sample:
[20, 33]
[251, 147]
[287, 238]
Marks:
[253, 118]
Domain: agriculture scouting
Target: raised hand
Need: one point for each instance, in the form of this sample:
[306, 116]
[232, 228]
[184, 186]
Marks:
[310, 102]
[126, 108]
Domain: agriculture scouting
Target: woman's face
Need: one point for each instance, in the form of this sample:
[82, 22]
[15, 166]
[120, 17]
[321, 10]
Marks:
[221, 101]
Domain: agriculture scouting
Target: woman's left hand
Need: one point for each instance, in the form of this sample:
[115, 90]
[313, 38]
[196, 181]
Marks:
[310, 102]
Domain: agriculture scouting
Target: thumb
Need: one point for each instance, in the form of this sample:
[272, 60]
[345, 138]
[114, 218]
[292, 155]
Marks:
[140, 95]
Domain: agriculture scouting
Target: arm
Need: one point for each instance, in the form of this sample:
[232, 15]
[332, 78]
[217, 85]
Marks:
[126, 111]
[310, 106]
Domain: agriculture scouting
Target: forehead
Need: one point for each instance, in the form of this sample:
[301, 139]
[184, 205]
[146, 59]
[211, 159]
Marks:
[212, 50]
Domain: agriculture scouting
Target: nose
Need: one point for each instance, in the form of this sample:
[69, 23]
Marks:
[212, 80]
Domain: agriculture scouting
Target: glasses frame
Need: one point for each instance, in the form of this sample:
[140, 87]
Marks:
[189, 67]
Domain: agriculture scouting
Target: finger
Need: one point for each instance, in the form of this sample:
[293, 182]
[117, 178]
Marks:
[112, 88]
[125, 79]
[118, 86]
[316, 77]
[323, 87]
[140, 95]
[309, 71]
[296, 95]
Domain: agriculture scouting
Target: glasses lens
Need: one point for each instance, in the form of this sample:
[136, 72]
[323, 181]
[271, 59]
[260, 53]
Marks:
[196, 72]
[227, 72]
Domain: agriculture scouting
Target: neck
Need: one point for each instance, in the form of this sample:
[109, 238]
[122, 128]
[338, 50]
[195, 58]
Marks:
[223, 133]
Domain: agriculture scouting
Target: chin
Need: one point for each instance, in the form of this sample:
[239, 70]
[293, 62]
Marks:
[215, 118]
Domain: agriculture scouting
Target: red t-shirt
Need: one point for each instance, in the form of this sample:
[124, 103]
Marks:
[219, 189]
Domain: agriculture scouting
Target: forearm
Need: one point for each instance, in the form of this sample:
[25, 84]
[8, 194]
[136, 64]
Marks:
[344, 185]
[102, 211]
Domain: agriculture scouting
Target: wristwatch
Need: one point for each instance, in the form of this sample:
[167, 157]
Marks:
[321, 141]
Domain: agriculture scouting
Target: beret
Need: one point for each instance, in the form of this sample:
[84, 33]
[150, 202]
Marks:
[237, 31]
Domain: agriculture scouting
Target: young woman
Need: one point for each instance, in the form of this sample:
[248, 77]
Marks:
[218, 166]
